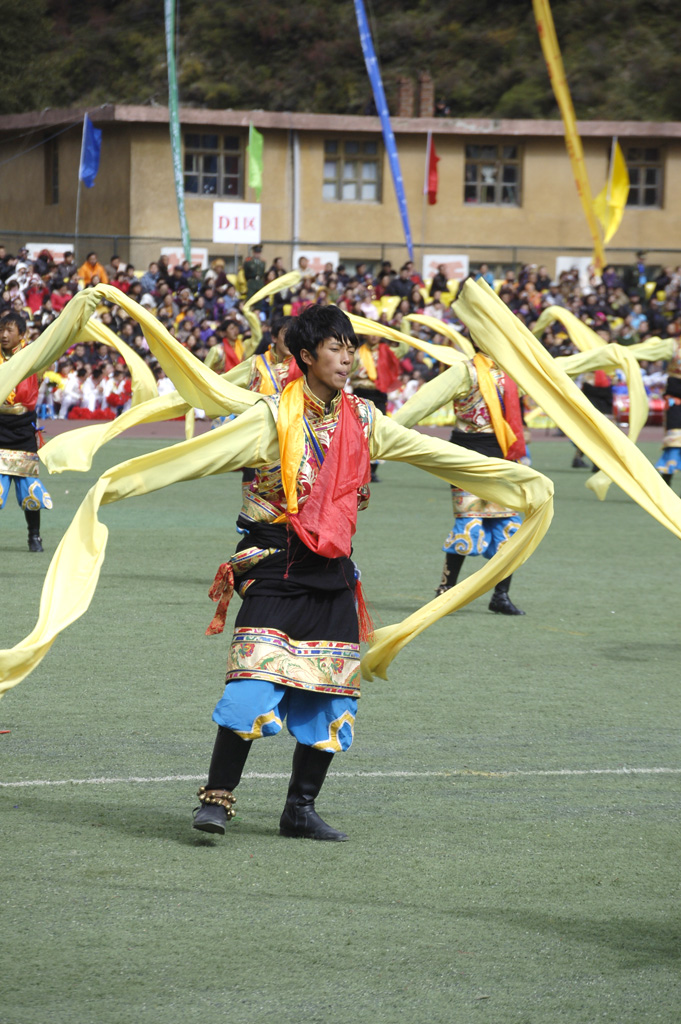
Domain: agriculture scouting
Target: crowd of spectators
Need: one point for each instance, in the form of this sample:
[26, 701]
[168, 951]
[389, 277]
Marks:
[201, 308]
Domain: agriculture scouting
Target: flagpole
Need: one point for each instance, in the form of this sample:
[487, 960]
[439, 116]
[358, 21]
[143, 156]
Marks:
[80, 185]
[429, 143]
[612, 168]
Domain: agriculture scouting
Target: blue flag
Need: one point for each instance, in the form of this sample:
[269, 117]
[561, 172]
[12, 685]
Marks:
[89, 153]
[384, 114]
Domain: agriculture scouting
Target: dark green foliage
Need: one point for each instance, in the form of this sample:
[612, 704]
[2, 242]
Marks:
[305, 55]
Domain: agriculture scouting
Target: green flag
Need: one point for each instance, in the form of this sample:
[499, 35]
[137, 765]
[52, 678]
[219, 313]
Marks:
[255, 145]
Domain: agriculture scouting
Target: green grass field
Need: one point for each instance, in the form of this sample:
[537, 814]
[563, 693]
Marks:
[512, 796]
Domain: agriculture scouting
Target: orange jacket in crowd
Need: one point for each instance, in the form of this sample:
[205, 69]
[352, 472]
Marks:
[87, 271]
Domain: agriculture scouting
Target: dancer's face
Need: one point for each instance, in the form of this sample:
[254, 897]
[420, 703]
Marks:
[10, 336]
[328, 369]
[280, 347]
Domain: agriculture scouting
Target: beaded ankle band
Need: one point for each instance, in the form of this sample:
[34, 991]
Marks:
[223, 797]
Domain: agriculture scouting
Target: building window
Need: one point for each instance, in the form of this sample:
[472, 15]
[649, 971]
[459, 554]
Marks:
[645, 176]
[352, 171]
[492, 175]
[51, 151]
[213, 164]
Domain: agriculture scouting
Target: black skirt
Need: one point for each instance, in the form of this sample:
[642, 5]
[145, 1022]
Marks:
[296, 591]
[18, 433]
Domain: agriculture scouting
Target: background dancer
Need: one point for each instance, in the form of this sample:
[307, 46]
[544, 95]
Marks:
[488, 421]
[19, 438]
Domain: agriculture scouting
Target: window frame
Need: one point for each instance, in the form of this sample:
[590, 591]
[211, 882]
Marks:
[343, 156]
[500, 162]
[221, 153]
[643, 164]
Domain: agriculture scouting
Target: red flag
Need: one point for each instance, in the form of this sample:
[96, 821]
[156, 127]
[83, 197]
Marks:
[431, 172]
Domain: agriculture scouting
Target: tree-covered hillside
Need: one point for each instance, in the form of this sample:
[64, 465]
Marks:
[622, 56]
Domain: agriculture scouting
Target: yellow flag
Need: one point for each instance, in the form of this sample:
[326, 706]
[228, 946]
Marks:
[554, 64]
[610, 202]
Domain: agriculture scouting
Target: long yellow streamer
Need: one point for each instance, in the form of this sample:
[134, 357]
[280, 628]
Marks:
[596, 354]
[580, 333]
[463, 344]
[512, 346]
[73, 571]
[611, 358]
[367, 360]
[443, 354]
[143, 381]
[280, 284]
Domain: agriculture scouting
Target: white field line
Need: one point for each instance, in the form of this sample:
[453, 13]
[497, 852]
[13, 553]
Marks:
[454, 773]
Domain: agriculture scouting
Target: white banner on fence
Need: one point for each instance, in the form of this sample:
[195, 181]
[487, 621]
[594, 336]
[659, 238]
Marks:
[55, 249]
[579, 263]
[455, 266]
[175, 254]
[238, 223]
[317, 259]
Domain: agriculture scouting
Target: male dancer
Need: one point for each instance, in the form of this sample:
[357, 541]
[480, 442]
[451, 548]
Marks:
[488, 421]
[18, 437]
[670, 457]
[295, 649]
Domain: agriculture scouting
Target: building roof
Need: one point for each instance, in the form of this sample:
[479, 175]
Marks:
[283, 120]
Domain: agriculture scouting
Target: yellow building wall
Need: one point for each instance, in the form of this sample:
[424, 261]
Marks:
[549, 221]
[153, 204]
[104, 208]
[134, 195]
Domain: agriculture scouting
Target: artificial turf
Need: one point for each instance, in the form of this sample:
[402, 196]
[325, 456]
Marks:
[512, 795]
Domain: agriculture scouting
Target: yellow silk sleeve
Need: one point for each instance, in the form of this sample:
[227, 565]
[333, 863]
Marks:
[52, 343]
[74, 450]
[584, 338]
[143, 381]
[612, 357]
[280, 284]
[365, 357]
[442, 353]
[463, 344]
[653, 349]
[500, 334]
[74, 569]
[505, 483]
[250, 344]
[453, 383]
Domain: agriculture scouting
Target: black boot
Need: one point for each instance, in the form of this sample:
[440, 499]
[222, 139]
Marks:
[450, 573]
[501, 602]
[375, 479]
[227, 764]
[667, 477]
[300, 820]
[32, 517]
[578, 462]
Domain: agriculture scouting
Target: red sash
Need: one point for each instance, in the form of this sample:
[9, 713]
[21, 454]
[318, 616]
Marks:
[513, 417]
[387, 368]
[328, 519]
[231, 358]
